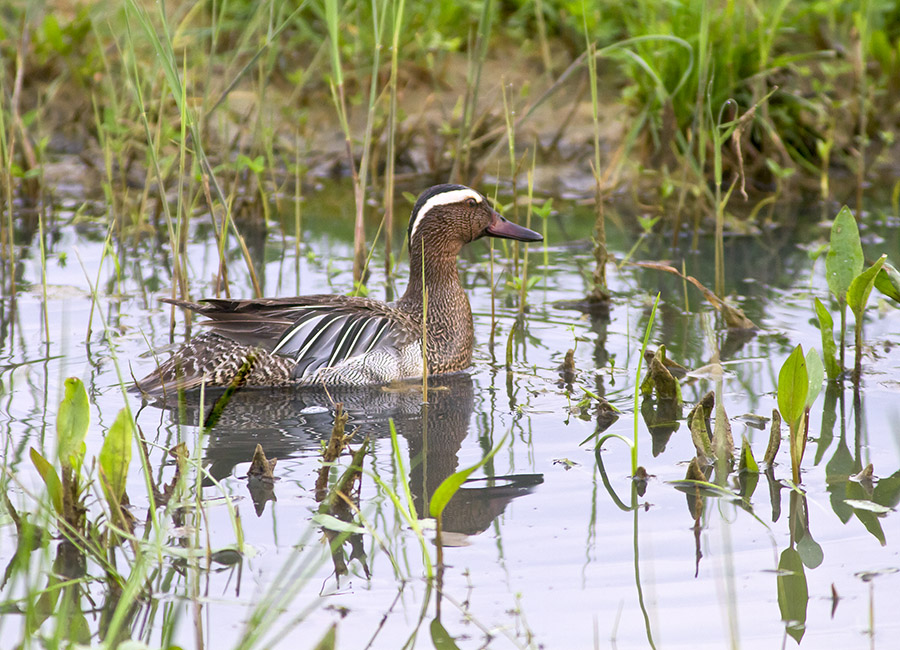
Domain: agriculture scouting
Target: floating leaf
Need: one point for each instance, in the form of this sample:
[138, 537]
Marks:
[452, 483]
[861, 287]
[51, 479]
[72, 424]
[793, 386]
[115, 456]
[829, 348]
[845, 256]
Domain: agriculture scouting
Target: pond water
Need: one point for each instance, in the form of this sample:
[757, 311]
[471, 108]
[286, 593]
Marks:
[544, 546]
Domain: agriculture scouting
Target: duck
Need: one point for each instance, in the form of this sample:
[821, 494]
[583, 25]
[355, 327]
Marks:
[337, 340]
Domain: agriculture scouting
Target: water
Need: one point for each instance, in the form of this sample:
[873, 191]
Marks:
[539, 554]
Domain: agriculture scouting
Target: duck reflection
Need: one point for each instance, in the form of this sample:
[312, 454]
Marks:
[295, 422]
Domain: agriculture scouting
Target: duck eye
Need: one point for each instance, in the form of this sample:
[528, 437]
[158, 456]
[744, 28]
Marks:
[471, 202]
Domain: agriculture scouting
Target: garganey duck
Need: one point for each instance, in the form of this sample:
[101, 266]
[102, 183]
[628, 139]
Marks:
[337, 340]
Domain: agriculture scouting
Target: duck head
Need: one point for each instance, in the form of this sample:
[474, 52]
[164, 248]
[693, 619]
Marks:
[445, 217]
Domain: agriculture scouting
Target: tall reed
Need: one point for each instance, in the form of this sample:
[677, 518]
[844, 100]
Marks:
[473, 84]
[332, 16]
[599, 291]
[398, 9]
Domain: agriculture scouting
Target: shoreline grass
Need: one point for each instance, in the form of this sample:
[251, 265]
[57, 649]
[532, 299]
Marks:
[436, 105]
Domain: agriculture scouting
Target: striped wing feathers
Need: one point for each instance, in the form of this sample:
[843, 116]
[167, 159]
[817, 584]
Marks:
[318, 331]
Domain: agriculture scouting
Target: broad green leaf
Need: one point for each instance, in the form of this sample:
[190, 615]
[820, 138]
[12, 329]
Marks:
[115, 456]
[793, 593]
[72, 424]
[829, 347]
[861, 287]
[845, 255]
[888, 282]
[440, 638]
[816, 373]
[793, 386]
[51, 480]
[452, 483]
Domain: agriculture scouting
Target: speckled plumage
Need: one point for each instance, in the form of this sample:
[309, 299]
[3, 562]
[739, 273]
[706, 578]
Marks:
[349, 341]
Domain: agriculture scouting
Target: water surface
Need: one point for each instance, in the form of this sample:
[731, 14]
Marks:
[538, 552]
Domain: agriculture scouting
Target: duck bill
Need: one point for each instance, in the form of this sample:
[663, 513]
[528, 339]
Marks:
[504, 229]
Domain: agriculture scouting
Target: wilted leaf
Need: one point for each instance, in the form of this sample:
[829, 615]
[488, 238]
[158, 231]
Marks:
[694, 473]
[700, 436]
[734, 316]
[845, 256]
[261, 467]
[723, 441]
[774, 438]
[72, 424]
[659, 378]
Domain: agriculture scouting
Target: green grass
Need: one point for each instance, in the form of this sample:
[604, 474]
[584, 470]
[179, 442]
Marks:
[182, 93]
[220, 111]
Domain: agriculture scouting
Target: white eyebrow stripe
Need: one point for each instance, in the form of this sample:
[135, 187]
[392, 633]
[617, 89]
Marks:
[444, 198]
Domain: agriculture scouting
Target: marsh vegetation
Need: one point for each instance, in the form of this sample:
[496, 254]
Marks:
[681, 413]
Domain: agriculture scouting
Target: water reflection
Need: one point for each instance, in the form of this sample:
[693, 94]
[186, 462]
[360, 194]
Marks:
[288, 422]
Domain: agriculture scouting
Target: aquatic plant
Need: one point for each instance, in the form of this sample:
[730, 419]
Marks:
[799, 383]
[851, 286]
